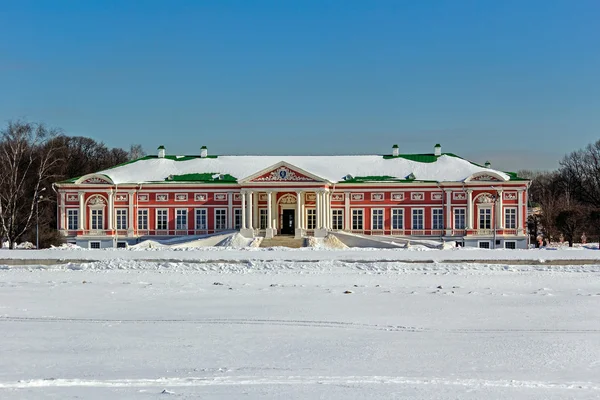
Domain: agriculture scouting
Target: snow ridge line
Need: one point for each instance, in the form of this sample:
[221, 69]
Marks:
[294, 323]
[292, 380]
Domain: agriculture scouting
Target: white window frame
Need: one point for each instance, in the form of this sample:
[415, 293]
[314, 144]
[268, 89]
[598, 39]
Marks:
[72, 217]
[221, 213]
[358, 212]
[178, 225]
[489, 242]
[121, 222]
[263, 218]
[143, 215]
[97, 222]
[157, 221]
[202, 212]
[380, 214]
[412, 219]
[397, 212]
[440, 216]
[311, 218]
[337, 219]
[464, 215]
[237, 218]
[514, 210]
[510, 241]
[482, 209]
[94, 242]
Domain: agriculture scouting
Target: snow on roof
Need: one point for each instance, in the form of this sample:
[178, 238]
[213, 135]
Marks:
[445, 168]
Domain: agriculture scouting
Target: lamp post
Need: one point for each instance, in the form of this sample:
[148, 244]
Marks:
[38, 198]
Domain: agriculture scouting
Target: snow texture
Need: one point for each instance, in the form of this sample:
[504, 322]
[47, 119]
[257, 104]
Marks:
[332, 168]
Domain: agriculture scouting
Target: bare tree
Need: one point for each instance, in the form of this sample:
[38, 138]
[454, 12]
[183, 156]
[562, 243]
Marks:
[136, 151]
[570, 223]
[581, 171]
[27, 159]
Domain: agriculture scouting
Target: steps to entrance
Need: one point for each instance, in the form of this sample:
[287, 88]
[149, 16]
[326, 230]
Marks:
[283, 241]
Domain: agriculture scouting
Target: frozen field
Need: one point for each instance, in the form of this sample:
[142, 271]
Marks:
[277, 324]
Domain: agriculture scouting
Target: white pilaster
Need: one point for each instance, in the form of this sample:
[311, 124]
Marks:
[498, 211]
[520, 211]
[469, 209]
[62, 216]
[255, 214]
[250, 209]
[230, 210]
[82, 211]
[130, 212]
[269, 232]
[318, 206]
[111, 209]
[448, 212]
[244, 210]
[347, 216]
[299, 216]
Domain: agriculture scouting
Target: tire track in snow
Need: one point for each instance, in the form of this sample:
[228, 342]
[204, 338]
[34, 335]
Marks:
[294, 380]
[292, 323]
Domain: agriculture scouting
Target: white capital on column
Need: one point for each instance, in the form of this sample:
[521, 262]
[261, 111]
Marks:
[244, 210]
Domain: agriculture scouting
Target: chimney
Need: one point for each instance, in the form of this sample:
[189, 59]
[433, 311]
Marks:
[395, 150]
[437, 150]
[203, 152]
[488, 164]
[161, 151]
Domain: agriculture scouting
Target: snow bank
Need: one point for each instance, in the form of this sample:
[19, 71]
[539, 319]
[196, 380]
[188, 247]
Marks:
[328, 242]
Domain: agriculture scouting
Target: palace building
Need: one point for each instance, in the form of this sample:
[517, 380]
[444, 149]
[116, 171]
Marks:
[427, 196]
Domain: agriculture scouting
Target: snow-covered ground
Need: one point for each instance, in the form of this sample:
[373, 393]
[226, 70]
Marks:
[274, 323]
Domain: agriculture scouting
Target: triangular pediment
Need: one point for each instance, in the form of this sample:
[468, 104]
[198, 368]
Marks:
[282, 172]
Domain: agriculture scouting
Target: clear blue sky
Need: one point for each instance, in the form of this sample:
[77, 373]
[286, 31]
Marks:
[515, 82]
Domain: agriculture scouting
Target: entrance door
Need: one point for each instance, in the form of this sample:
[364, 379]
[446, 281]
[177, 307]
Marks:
[288, 223]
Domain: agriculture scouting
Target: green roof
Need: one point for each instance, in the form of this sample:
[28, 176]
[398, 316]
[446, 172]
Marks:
[208, 177]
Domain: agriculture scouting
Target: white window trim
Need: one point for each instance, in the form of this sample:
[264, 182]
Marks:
[196, 227]
[306, 217]
[516, 217]
[401, 219]
[432, 219]
[94, 241]
[362, 210]
[454, 217]
[510, 241]
[341, 210]
[489, 242]
[263, 211]
[117, 218]
[97, 209]
[147, 219]
[156, 211]
[235, 211]
[215, 219]
[412, 220]
[382, 219]
[76, 212]
[187, 222]
[481, 208]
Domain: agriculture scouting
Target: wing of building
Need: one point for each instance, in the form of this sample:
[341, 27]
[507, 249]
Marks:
[437, 195]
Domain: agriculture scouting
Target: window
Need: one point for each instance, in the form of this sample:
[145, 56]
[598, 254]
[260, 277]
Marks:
[357, 219]
[237, 218]
[142, 219]
[437, 219]
[397, 218]
[97, 219]
[72, 219]
[94, 245]
[485, 218]
[460, 218]
[181, 219]
[510, 218]
[417, 218]
[201, 219]
[337, 218]
[311, 218]
[121, 245]
[484, 245]
[377, 219]
[263, 216]
[162, 220]
[510, 245]
[220, 218]
[121, 218]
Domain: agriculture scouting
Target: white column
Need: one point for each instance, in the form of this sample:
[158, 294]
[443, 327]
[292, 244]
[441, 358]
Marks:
[299, 219]
[250, 195]
[469, 209]
[328, 210]
[81, 210]
[274, 213]
[244, 211]
[255, 215]
[347, 216]
[230, 210]
[498, 211]
[318, 206]
[130, 212]
[269, 213]
[111, 208]
[448, 211]
[61, 216]
[520, 217]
